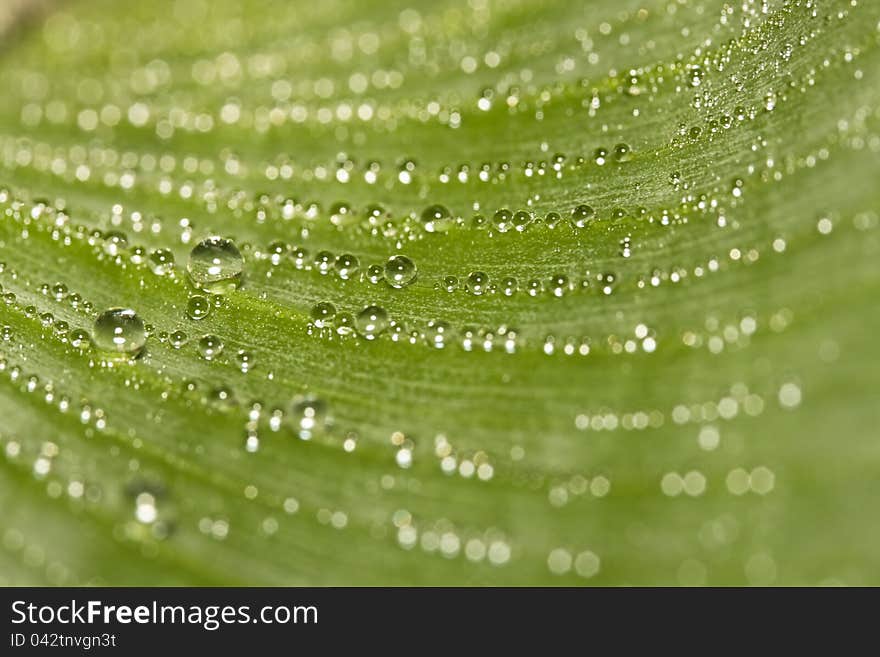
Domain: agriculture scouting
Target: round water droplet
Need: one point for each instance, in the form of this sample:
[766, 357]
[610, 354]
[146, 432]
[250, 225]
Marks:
[78, 338]
[276, 251]
[347, 266]
[215, 265]
[324, 261]
[161, 261]
[375, 273]
[437, 333]
[552, 219]
[210, 346]
[521, 220]
[119, 332]
[502, 220]
[323, 313]
[345, 324]
[581, 215]
[244, 360]
[371, 321]
[198, 307]
[622, 152]
[309, 415]
[477, 283]
[342, 214]
[178, 339]
[300, 257]
[437, 219]
[400, 271]
[115, 243]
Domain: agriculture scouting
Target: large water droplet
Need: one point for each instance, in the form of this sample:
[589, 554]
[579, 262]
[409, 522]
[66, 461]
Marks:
[581, 215]
[119, 332]
[477, 283]
[371, 321]
[210, 346]
[215, 265]
[198, 307]
[400, 271]
[437, 219]
[323, 313]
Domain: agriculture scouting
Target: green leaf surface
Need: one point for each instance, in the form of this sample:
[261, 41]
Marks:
[682, 390]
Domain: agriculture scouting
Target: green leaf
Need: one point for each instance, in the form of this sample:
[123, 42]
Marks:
[680, 390]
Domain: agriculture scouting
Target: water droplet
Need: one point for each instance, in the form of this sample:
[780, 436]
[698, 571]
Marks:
[342, 214]
[276, 251]
[502, 220]
[309, 415]
[324, 261]
[323, 313]
[375, 273]
[178, 339]
[437, 219]
[509, 286]
[371, 321]
[115, 243]
[400, 271]
[119, 332]
[345, 324]
[300, 257]
[210, 346]
[161, 261]
[215, 265]
[552, 219]
[477, 282]
[347, 266]
[198, 307]
[437, 333]
[244, 360]
[78, 338]
[581, 215]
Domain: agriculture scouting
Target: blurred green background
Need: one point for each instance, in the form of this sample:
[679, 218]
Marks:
[662, 372]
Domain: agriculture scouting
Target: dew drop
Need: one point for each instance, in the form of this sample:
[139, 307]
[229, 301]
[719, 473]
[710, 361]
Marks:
[622, 152]
[400, 271]
[347, 266]
[178, 339]
[502, 220]
[308, 415]
[244, 360]
[210, 346]
[342, 214]
[371, 321]
[119, 332]
[215, 265]
[477, 283]
[161, 261]
[78, 338]
[581, 215]
[323, 313]
[375, 273]
[115, 243]
[437, 219]
[198, 307]
[324, 262]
